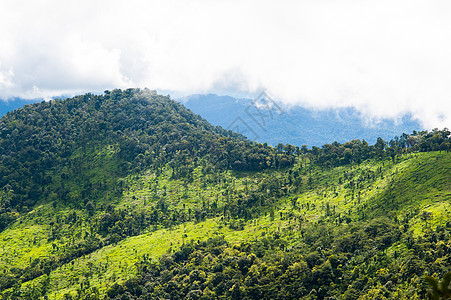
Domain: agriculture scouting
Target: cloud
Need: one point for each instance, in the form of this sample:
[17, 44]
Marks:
[386, 58]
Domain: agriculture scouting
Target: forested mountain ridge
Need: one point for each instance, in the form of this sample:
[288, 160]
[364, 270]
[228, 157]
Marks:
[128, 195]
[51, 145]
[294, 125]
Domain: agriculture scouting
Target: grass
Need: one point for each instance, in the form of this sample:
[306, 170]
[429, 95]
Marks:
[116, 263]
[416, 184]
[21, 245]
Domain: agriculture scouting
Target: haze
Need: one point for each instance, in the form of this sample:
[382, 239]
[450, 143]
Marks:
[385, 58]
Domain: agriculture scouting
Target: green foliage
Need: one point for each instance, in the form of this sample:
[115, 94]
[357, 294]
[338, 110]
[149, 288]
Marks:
[356, 151]
[267, 269]
[130, 195]
[76, 149]
[440, 290]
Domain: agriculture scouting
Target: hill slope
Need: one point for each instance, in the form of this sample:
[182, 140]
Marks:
[129, 195]
[79, 147]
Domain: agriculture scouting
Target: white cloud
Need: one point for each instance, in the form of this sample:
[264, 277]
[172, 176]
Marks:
[385, 58]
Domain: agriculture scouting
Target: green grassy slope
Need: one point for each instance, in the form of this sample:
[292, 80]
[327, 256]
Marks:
[331, 202]
[420, 191]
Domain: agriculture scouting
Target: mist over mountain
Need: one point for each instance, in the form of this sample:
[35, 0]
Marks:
[272, 123]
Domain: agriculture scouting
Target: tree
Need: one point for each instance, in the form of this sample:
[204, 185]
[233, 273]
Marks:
[439, 290]
[271, 214]
[316, 151]
[379, 146]
[90, 208]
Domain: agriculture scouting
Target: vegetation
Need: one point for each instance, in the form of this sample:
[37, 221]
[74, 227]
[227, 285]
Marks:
[78, 148]
[128, 195]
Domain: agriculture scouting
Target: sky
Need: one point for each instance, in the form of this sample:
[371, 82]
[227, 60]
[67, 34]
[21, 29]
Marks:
[384, 58]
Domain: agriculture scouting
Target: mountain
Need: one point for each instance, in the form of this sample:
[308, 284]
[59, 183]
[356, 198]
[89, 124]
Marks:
[12, 104]
[266, 121]
[93, 140]
[130, 195]
[288, 125]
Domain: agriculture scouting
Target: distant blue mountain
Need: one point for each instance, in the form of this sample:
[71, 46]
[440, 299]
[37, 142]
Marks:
[265, 121]
[12, 104]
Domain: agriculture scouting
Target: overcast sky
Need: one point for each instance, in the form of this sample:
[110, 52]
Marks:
[385, 58]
